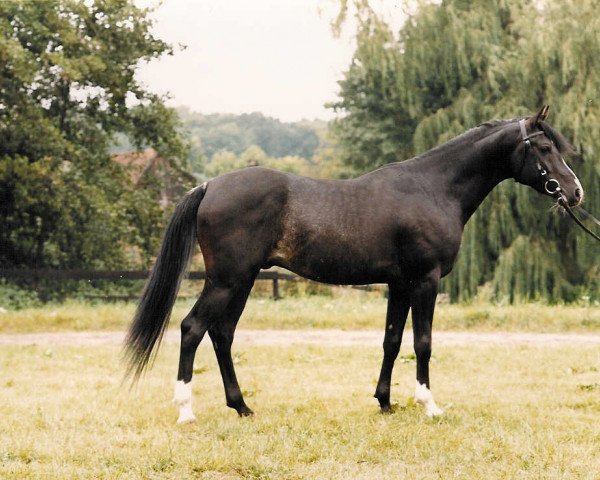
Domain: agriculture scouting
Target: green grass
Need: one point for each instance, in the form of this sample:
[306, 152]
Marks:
[517, 412]
[346, 310]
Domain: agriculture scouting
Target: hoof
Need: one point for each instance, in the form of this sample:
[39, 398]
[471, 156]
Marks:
[434, 411]
[186, 415]
[240, 407]
[384, 401]
[183, 419]
[245, 412]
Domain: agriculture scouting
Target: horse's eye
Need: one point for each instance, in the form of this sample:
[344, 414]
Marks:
[545, 149]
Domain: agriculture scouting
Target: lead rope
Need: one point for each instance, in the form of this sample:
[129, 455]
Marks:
[562, 201]
[552, 187]
[589, 216]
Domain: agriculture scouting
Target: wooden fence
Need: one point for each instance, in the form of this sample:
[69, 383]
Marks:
[115, 276]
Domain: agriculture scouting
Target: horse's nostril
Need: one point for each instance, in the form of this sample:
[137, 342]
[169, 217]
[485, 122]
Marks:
[578, 193]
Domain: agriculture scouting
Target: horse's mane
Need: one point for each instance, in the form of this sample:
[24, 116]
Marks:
[472, 135]
[562, 144]
[491, 126]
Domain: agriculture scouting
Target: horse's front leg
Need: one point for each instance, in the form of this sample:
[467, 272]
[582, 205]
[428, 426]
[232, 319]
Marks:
[397, 311]
[422, 302]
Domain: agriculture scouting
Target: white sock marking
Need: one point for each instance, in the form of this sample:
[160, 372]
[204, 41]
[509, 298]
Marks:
[424, 396]
[183, 399]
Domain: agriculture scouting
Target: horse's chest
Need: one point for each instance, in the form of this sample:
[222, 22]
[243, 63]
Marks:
[422, 250]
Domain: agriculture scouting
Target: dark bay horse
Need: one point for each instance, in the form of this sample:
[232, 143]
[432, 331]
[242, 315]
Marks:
[400, 224]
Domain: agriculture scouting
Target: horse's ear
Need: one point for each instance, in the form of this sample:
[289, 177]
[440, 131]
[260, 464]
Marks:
[543, 114]
[539, 117]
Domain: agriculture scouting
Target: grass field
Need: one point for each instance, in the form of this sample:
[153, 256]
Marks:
[512, 411]
[347, 310]
[517, 412]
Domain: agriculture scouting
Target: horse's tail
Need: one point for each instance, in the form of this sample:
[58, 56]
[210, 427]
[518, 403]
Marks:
[154, 309]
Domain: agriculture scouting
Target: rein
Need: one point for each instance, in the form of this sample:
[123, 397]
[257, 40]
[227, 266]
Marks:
[563, 203]
[552, 186]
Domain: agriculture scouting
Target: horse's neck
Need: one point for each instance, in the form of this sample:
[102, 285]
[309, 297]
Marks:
[469, 173]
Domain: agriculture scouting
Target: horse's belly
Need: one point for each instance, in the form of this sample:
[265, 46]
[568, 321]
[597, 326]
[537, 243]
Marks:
[337, 263]
[337, 276]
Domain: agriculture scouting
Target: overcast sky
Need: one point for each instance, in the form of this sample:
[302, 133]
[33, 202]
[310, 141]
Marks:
[278, 57]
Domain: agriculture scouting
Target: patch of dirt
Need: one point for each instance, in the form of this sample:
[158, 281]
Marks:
[314, 337]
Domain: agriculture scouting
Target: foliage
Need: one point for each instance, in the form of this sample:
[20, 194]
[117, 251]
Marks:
[210, 134]
[67, 86]
[12, 297]
[324, 162]
[225, 161]
[456, 64]
[376, 128]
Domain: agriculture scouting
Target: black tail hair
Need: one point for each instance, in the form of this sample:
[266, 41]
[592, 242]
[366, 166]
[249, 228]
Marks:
[154, 309]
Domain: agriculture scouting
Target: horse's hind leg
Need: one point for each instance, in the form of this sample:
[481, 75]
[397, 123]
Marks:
[398, 306]
[221, 334]
[210, 306]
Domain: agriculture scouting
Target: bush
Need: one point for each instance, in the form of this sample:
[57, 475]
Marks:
[14, 297]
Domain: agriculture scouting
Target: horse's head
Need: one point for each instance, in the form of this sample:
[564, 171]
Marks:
[538, 161]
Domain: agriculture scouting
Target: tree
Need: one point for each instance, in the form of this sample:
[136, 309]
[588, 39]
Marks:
[67, 87]
[456, 64]
[376, 128]
[235, 133]
[225, 161]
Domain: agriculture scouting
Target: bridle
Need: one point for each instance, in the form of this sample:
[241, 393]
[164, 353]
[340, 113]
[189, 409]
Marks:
[551, 185]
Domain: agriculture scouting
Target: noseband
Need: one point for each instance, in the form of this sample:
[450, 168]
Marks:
[551, 185]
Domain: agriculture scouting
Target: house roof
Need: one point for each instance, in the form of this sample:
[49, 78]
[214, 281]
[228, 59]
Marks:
[148, 164]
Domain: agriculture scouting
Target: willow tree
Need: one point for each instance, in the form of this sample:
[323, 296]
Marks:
[456, 64]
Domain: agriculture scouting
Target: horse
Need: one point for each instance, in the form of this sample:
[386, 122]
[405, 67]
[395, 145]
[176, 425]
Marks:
[400, 224]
